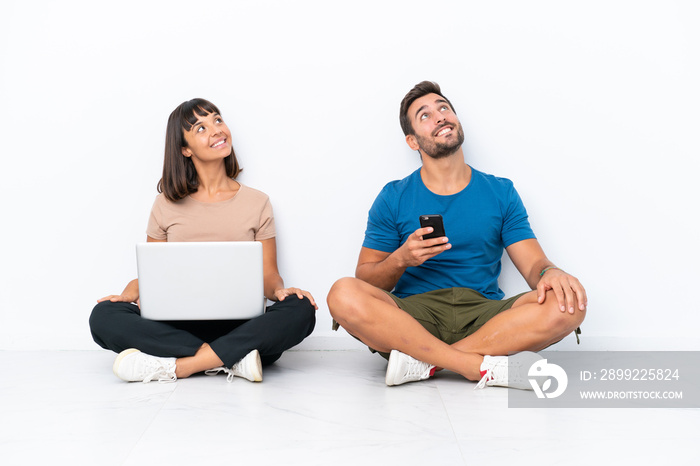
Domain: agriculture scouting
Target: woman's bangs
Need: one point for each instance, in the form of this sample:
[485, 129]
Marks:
[194, 109]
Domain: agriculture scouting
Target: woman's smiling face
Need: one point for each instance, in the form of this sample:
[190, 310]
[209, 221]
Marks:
[209, 139]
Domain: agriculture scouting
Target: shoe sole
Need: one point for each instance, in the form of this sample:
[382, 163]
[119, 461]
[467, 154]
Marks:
[122, 355]
[390, 369]
[257, 373]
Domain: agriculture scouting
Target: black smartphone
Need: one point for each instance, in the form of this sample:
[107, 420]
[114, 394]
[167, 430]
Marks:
[434, 221]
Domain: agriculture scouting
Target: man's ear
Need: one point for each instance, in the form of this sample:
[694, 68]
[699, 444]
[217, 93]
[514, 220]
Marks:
[412, 142]
[186, 152]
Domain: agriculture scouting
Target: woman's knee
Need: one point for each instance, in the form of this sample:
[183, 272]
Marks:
[301, 305]
[104, 317]
[307, 313]
[99, 322]
[100, 313]
[297, 311]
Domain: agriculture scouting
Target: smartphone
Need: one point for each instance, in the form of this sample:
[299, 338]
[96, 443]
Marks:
[434, 221]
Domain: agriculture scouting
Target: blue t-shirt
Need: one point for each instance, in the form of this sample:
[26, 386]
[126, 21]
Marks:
[480, 221]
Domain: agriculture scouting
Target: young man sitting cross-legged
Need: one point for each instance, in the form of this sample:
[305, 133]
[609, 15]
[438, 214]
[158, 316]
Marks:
[427, 304]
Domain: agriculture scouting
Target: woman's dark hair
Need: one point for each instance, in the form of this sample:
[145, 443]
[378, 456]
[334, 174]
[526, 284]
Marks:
[418, 91]
[179, 175]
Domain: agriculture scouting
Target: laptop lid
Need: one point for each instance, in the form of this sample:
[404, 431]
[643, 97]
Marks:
[200, 280]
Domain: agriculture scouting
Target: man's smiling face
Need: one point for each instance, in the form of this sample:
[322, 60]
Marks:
[437, 130]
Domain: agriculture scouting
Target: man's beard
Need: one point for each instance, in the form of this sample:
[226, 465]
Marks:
[438, 150]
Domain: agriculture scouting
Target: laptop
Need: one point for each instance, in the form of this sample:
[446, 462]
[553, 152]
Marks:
[201, 280]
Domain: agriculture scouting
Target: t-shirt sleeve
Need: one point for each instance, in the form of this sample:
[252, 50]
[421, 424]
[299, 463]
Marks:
[267, 223]
[155, 221]
[381, 233]
[516, 226]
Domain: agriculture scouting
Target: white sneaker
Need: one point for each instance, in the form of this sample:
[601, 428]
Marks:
[134, 366]
[403, 368]
[249, 368]
[507, 371]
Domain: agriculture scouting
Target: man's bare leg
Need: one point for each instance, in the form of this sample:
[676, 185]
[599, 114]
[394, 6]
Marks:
[527, 326]
[371, 315]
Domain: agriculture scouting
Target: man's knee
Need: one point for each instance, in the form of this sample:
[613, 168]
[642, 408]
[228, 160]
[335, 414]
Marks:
[340, 295]
[561, 322]
[345, 300]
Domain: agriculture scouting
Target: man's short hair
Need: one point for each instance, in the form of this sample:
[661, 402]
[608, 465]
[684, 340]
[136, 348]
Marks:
[418, 91]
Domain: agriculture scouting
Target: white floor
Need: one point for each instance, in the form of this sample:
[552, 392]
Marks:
[313, 408]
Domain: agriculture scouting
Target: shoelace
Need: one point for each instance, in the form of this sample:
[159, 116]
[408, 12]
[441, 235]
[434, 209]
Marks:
[160, 371]
[417, 368]
[497, 372]
[229, 377]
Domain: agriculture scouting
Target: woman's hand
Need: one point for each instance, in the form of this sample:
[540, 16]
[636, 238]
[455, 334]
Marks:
[129, 295]
[120, 298]
[282, 293]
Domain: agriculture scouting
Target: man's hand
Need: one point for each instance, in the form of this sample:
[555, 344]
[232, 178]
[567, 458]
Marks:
[417, 250]
[383, 269]
[568, 290]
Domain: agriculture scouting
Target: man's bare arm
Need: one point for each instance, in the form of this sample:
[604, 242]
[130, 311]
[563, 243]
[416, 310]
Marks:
[541, 274]
[383, 269]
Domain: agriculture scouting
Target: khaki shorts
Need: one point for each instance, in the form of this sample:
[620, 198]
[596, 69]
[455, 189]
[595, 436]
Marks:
[451, 314]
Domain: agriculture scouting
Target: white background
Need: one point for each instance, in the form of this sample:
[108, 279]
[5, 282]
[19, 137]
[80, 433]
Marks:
[590, 107]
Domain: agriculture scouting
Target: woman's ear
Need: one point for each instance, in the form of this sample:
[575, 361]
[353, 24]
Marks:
[186, 152]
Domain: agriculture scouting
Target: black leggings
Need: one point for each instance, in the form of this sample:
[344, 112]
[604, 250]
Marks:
[119, 326]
